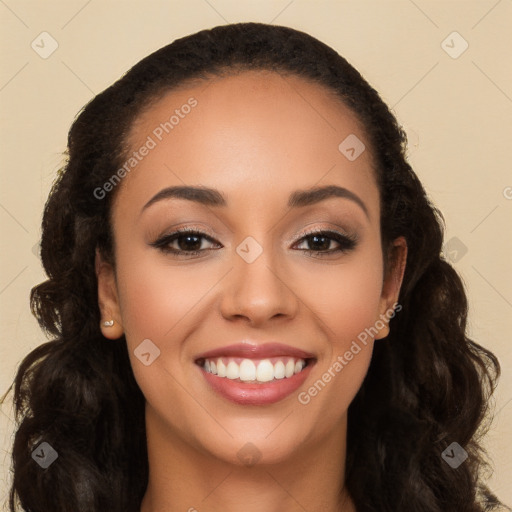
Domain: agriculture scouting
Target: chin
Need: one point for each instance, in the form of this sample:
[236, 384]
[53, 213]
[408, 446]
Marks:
[247, 451]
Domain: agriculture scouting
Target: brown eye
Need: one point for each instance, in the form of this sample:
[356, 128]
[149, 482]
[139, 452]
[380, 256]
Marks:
[185, 242]
[189, 242]
[322, 242]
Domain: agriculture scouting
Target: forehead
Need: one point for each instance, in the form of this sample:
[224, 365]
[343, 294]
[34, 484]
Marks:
[258, 131]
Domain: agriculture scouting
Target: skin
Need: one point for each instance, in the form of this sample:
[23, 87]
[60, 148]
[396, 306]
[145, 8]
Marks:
[256, 137]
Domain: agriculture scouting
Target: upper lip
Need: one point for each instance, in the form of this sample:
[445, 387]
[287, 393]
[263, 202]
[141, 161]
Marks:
[256, 351]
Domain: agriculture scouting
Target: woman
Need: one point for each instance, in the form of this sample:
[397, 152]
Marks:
[247, 295]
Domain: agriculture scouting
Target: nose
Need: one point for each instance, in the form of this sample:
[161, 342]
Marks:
[259, 291]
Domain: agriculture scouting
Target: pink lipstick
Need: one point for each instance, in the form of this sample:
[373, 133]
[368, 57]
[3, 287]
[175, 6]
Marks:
[250, 374]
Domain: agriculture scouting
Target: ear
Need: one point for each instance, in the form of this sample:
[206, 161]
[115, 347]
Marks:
[388, 304]
[107, 298]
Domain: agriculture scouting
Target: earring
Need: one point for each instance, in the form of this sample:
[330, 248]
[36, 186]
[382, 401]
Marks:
[108, 323]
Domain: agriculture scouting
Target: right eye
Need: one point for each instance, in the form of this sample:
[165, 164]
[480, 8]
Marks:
[184, 242]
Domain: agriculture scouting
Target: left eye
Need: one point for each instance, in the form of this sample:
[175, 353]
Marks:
[321, 242]
[317, 243]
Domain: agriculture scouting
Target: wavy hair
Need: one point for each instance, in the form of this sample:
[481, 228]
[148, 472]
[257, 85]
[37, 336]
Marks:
[428, 384]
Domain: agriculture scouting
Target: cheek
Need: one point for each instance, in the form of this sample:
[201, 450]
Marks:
[163, 302]
[334, 387]
[155, 296]
[346, 300]
[345, 296]
[159, 302]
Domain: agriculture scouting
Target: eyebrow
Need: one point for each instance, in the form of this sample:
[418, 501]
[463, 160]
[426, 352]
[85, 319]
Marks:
[298, 199]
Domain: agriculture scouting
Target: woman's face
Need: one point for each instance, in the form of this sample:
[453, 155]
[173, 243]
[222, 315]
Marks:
[255, 145]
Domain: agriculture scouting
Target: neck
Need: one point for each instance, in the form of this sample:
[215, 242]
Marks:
[182, 478]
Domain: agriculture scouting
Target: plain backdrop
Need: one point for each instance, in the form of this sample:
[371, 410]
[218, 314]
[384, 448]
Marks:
[443, 67]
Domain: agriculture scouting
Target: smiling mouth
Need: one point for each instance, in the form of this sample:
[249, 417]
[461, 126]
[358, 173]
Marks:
[254, 371]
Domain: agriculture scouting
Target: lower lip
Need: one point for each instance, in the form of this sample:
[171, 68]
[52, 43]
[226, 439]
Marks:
[256, 394]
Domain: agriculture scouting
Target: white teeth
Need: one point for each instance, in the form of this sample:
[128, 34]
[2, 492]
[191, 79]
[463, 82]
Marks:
[248, 370]
[290, 368]
[221, 368]
[279, 370]
[265, 372]
[232, 370]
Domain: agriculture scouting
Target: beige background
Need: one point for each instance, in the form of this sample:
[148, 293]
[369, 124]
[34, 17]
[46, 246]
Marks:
[456, 111]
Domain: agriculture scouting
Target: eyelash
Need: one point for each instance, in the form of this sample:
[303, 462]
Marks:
[346, 242]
